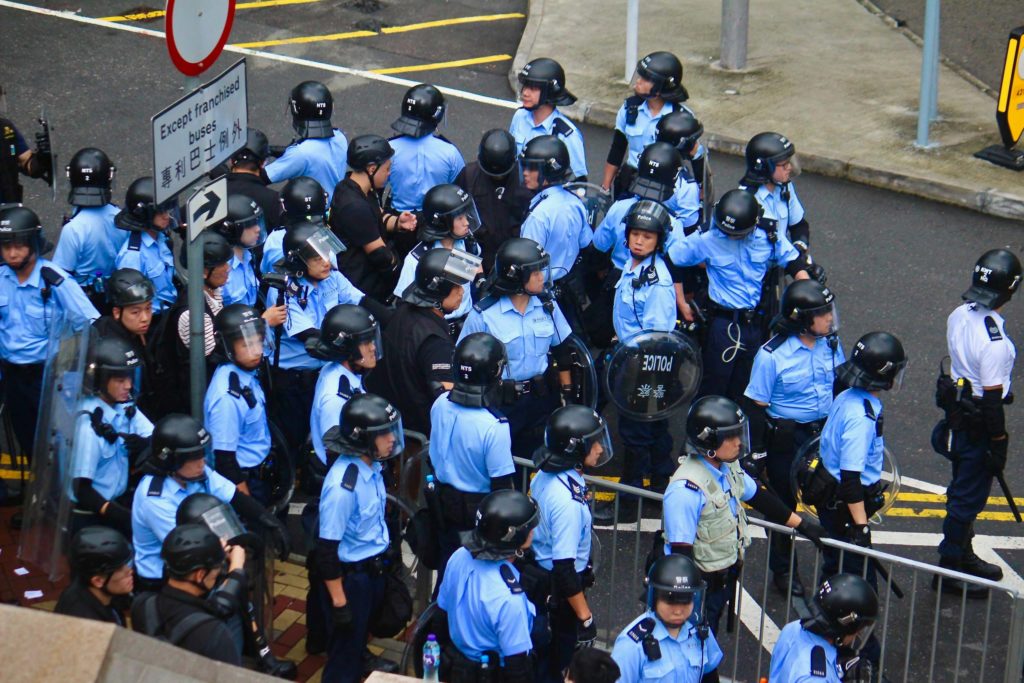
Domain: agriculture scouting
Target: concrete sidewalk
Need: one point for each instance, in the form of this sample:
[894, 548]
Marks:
[834, 75]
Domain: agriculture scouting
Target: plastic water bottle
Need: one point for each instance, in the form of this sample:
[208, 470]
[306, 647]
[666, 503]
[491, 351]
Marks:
[431, 658]
[485, 664]
[430, 483]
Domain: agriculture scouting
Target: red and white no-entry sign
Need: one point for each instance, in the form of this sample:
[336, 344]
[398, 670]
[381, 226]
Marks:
[197, 31]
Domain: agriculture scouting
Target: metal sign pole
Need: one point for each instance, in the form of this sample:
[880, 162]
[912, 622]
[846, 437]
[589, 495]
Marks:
[927, 104]
[197, 327]
[733, 39]
[632, 42]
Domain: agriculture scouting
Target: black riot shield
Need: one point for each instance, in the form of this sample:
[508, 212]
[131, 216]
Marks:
[583, 374]
[651, 375]
[595, 198]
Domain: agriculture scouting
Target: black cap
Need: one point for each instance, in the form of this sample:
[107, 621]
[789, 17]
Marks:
[368, 149]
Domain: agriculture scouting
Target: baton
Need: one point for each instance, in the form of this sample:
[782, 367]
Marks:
[1009, 497]
[884, 573]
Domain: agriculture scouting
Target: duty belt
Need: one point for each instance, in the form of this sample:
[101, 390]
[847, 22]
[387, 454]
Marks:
[512, 390]
[747, 315]
[374, 566]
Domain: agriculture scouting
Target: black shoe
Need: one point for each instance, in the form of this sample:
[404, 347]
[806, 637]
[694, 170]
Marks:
[786, 583]
[372, 662]
[278, 668]
[956, 586]
[974, 565]
[315, 646]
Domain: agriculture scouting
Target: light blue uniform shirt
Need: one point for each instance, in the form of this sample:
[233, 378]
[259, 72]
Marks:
[420, 164]
[527, 336]
[486, 612]
[355, 516]
[408, 275]
[794, 380]
[153, 517]
[565, 522]
[334, 387]
[682, 505]
[242, 286]
[792, 657]
[232, 424]
[273, 251]
[849, 439]
[89, 242]
[557, 221]
[611, 233]
[684, 204]
[468, 446]
[25, 320]
[322, 159]
[96, 458]
[307, 310]
[652, 306]
[681, 656]
[644, 130]
[735, 268]
[786, 213]
[152, 257]
[523, 130]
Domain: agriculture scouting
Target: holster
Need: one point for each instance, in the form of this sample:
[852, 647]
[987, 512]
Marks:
[817, 486]
[458, 508]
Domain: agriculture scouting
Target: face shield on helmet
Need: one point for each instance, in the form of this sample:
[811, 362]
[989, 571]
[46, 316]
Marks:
[246, 340]
[322, 244]
[188, 457]
[733, 442]
[597, 447]
[863, 634]
[462, 265]
[824, 320]
[387, 441]
[900, 372]
[462, 221]
[223, 521]
[367, 346]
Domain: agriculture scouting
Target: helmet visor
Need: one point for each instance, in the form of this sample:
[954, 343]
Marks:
[597, 447]
[386, 441]
[367, 346]
[322, 244]
[731, 443]
[252, 235]
[863, 635]
[462, 221]
[120, 383]
[824, 320]
[461, 267]
[248, 339]
[223, 521]
[900, 373]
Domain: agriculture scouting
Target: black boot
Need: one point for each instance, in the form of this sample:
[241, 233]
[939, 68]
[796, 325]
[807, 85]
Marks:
[972, 564]
[372, 662]
[956, 586]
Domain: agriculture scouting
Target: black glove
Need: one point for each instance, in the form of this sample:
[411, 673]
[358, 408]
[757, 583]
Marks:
[568, 393]
[997, 455]
[813, 531]
[816, 272]
[119, 515]
[343, 618]
[43, 144]
[859, 534]
[586, 633]
[134, 444]
[278, 534]
[755, 464]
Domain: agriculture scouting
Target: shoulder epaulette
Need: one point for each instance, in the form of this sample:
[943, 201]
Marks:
[486, 302]
[351, 476]
[496, 412]
[509, 577]
[641, 629]
[691, 485]
[992, 328]
[156, 486]
[135, 241]
[345, 388]
[775, 342]
[869, 410]
[561, 127]
[419, 250]
[236, 389]
[632, 105]
[819, 663]
[51, 276]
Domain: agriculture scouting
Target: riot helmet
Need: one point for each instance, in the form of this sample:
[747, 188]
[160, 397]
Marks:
[712, 422]
[438, 272]
[995, 279]
[370, 426]
[675, 579]
[349, 333]
[129, 287]
[480, 361]
[549, 156]
[216, 515]
[141, 210]
[242, 227]
[878, 362]
[90, 174]
[448, 212]
[240, 331]
[549, 77]
[665, 73]
[423, 108]
[303, 199]
[189, 547]
[497, 153]
[763, 153]
[20, 225]
[111, 358]
[737, 214]
[177, 439]
[681, 129]
[515, 262]
[504, 521]
[368, 149]
[311, 107]
[802, 301]
[575, 437]
[649, 216]
[304, 244]
[216, 250]
[98, 551]
[256, 150]
[845, 605]
[657, 171]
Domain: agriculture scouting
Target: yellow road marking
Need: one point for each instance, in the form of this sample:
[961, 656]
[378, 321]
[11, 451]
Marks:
[256, 4]
[939, 513]
[444, 65]
[384, 31]
[939, 498]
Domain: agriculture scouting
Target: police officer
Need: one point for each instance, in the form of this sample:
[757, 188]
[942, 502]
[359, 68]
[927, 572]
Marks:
[494, 182]
[542, 90]
[423, 157]
[302, 200]
[148, 247]
[471, 446]
[358, 219]
[110, 433]
[668, 642]
[982, 358]
[575, 437]
[353, 543]
[738, 255]
[557, 219]
[822, 648]
[16, 157]
[485, 610]
[771, 167]
[38, 293]
[319, 150]
[100, 559]
[788, 399]
[244, 230]
[703, 518]
[246, 176]
[450, 221]
[516, 307]
[89, 242]
[682, 130]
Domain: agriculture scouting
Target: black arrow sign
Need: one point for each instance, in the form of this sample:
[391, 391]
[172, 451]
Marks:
[209, 207]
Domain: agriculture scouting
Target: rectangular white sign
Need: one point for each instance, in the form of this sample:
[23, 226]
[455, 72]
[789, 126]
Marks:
[200, 131]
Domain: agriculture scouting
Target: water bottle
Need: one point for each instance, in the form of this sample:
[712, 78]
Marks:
[485, 665]
[430, 483]
[431, 658]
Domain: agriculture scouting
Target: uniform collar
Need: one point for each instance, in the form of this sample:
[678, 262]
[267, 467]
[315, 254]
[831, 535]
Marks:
[366, 472]
[506, 305]
[247, 376]
[109, 411]
[636, 270]
[547, 124]
[148, 239]
[239, 262]
[33, 279]
[661, 631]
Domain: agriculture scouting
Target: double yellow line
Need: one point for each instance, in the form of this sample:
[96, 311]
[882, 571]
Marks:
[156, 14]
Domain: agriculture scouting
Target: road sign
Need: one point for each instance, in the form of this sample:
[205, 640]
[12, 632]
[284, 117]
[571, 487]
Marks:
[1010, 107]
[207, 206]
[200, 131]
[196, 32]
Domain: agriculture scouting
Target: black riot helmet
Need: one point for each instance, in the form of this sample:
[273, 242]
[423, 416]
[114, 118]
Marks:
[504, 521]
[243, 213]
[575, 436]
[177, 439]
[497, 153]
[90, 174]
[681, 129]
[877, 362]
[657, 171]
[107, 358]
[649, 216]
[479, 363]
[516, 259]
[665, 72]
[256, 150]
[844, 605]
[763, 153]
[549, 76]
[190, 547]
[442, 205]
[140, 207]
[674, 579]
[995, 278]
[239, 323]
[20, 224]
[713, 419]
[303, 199]
[128, 287]
[437, 274]
[344, 334]
[194, 506]
[801, 302]
[311, 106]
[369, 426]
[737, 213]
[548, 155]
[423, 109]
[217, 516]
[306, 241]
[216, 250]
[98, 551]
[368, 149]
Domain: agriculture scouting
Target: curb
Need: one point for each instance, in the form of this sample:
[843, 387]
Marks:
[988, 201]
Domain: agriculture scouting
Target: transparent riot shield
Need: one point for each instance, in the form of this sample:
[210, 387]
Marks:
[595, 198]
[48, 505]
[582, 372]
[651, 375]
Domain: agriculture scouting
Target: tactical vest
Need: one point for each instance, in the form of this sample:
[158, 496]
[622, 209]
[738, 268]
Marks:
[721, 536]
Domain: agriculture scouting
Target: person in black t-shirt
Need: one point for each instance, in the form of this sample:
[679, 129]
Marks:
[102, 577]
